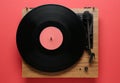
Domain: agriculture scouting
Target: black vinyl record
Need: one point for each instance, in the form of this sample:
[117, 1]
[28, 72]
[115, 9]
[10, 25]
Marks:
[30, 48]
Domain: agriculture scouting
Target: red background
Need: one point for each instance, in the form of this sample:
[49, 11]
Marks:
[109, 47]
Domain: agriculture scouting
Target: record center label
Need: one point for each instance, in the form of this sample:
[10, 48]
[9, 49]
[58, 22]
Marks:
[51, 38]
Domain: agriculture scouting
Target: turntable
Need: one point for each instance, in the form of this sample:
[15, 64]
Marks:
[55, 41]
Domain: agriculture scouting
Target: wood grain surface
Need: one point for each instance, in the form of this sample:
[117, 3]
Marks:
[77, 70]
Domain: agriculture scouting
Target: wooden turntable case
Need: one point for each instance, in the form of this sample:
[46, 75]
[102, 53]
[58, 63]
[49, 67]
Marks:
[77, 70]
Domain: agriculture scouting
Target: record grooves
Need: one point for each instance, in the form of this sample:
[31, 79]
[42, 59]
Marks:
[35, 54]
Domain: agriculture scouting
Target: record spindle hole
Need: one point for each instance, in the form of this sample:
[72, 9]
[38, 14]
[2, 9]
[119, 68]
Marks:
[51, 38]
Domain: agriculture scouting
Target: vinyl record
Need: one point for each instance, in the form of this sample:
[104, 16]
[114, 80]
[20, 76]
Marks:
[50, 58]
